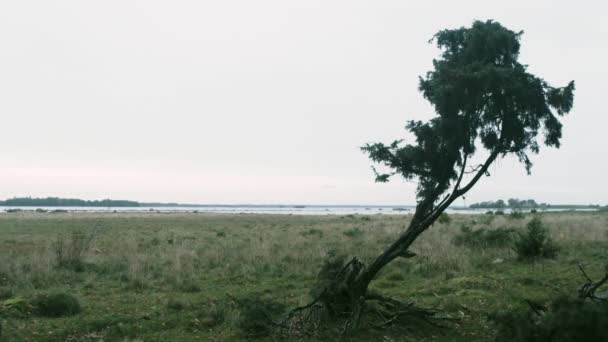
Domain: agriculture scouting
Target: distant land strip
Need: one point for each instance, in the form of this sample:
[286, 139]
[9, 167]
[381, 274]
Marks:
[74, 202]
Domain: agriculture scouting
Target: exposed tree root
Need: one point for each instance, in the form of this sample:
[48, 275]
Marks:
[346, 305]
[588, 290]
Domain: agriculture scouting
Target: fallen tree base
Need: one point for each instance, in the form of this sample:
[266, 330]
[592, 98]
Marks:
[373, 312]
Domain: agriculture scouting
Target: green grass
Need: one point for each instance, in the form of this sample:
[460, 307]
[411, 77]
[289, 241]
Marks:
[159, 277]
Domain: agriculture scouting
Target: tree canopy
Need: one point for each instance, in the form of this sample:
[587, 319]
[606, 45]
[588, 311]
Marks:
[483, 98]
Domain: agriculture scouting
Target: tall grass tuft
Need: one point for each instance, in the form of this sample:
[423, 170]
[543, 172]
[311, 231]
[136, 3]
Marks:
[71, 249]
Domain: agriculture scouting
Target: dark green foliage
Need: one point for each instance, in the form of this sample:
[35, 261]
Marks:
[481, 94]
[535, 243]
[210, 314]
[313, 232]
[6, 293]
[516, 214]
[353, 232]
[566, 320]
[332, 266]
[512, 203]
[444, 219]
[71, 249]
[484, 238]
[499, 212]
[65, 202]
[189, 286]
[175, 304]
[257, 315]
[56, 305]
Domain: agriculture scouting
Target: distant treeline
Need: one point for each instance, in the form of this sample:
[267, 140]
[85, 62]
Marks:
[514, 203]
[65, 202]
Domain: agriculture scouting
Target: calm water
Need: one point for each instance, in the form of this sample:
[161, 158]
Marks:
[262, 209]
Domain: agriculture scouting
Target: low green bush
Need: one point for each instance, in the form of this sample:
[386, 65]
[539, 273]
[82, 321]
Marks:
[257, 315]
[56, 305]
[175, 304]
[566, 319]
[6, 293]
[211, 314]
[484, 238]
[444, 218]
[353, 232]
[517, 214]
[71, 249]
[535, 242]
[313, 232]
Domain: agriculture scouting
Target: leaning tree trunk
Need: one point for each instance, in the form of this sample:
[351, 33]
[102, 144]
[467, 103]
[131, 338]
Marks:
[426, 214]
[346, 295]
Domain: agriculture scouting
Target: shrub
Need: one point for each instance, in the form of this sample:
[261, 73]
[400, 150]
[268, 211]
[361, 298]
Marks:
[485, 238]
[444, 218]
[516, 214]
[6, 293]
[70, 250]
[257, 315]
[535, 243]
[566, 320]
[353, 233]
[56, 305]
[313, 232]
[175, 304]
[211, 314]
[499, 212]
[332, 266]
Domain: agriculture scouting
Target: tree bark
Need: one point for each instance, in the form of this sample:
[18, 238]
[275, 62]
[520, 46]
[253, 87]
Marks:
[419, 224]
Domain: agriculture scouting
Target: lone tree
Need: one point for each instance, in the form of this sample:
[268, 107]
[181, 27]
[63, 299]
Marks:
[484, 99]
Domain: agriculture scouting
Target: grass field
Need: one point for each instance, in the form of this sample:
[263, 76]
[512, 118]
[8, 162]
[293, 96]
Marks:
[159, 277]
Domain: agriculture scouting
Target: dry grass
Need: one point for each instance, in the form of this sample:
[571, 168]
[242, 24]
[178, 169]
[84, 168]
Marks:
[139, 263]
[170, 249]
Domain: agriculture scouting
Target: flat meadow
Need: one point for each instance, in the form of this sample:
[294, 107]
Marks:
[185, 276]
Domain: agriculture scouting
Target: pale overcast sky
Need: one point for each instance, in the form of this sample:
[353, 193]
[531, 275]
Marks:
[267, 101]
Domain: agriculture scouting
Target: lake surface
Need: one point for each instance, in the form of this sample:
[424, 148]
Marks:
[263, 209]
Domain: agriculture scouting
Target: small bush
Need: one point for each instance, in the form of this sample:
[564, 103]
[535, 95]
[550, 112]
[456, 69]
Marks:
[517, 214]
[313, 232]
[175, 304]
[6, 293]
[56, 305]
[70, 250]
[535, 243]
[566, 320]
[484, 238]
[211, 315]
[444, 218]
[353, 233]
[499, 212]
[257, 314]
[189, 286]
[332, 266]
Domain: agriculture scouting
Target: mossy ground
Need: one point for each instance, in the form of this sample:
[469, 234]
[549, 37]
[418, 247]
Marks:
[159, 277]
